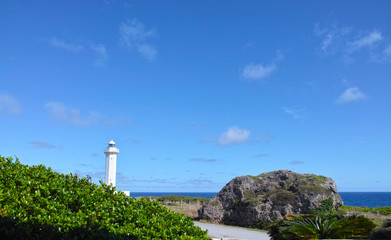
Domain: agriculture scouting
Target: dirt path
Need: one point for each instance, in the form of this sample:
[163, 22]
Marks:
[225, 232]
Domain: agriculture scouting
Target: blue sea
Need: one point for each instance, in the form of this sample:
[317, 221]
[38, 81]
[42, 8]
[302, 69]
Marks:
[357, 199]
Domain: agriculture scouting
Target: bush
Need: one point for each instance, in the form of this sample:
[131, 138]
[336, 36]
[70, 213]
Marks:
[37, 203]
[321, 227]
[326, 207]
[382, 233]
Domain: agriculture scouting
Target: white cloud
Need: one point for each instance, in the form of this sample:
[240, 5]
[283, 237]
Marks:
[9, 104]
[234, 135]
[366, 41]
[296, 113]
[133, 35]
[54, 42]
[257, 71]
[348, 42]
[333, 38]
[352, 94]
[148, 51]
[101, 54]
[59, 111]
[387, 51]
[327, 41]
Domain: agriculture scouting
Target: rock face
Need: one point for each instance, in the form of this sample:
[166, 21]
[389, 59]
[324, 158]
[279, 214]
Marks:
[252, 200]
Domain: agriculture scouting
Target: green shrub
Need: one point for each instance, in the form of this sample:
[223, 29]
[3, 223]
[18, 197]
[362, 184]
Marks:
[282, 197]
[321, 227]
[37, 203]
[382, 233]
[326, 207]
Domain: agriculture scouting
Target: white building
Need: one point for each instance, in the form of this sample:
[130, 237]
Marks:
[111, 165]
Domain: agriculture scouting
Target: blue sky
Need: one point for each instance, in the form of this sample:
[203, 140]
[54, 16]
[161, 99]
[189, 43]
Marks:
[195, 93]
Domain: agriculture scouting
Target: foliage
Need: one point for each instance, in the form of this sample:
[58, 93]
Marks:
[381, 210]
[184, 199]
[37, 203]
[282, 197]
[387, 223]
[326, 207]
[321, 227]
[382, 233]
[318, 178]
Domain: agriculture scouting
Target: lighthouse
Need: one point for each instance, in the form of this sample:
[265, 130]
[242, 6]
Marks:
[111, 163]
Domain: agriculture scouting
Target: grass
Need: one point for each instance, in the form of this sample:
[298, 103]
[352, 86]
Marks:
[185, 205]
[187, 209]
[379, 210]
[378, 214]
[182, 199]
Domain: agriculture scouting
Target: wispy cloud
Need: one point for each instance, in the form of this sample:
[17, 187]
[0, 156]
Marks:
[296, 162]
[387, 51]
[352, 94]
[71, 47]
[368, 40]
[348, 42]
[148, 51]
[9, 105]
[134, 36]
[334, 38]
[258, 71]
[59, 111]
[201, 181]
[205, 160]
[39, 144]
[101, 54]
[234, 135]
[99, 50]
[296, 113]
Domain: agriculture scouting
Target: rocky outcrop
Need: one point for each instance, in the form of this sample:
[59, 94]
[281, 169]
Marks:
[253, 200]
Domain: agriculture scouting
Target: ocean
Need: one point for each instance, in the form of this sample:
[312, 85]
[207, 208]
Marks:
[357, 199]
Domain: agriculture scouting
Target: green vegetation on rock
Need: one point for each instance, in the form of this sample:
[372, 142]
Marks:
[37, 203]
[282, 197]
[317, 178]
[326, 207]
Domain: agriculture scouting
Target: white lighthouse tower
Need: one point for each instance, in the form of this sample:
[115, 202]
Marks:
[111, 163]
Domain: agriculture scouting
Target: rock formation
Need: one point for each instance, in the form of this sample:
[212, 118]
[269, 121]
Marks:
[255, 200]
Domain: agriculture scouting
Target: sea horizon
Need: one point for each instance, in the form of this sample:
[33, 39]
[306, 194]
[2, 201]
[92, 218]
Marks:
[357, 199]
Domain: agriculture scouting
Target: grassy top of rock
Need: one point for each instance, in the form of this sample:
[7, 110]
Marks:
[285, 190]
